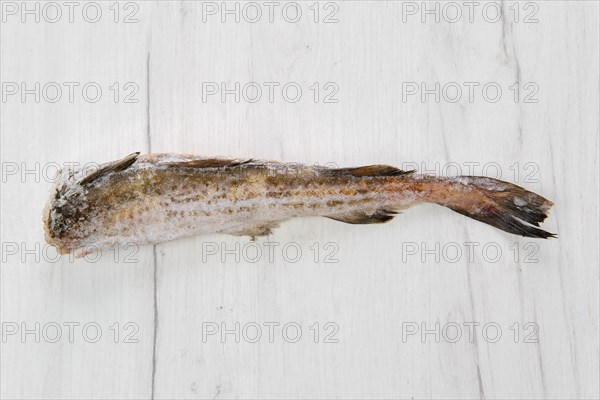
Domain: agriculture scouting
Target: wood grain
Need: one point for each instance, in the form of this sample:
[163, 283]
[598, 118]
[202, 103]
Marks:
[366, 285]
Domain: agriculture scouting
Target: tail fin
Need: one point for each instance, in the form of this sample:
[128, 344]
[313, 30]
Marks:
[501, 204]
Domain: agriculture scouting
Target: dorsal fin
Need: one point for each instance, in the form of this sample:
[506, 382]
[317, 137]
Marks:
[114, 166]
[209, 163]
[372, 170]
[359, 217]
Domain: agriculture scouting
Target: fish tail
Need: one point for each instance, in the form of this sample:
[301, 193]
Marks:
[500, 204]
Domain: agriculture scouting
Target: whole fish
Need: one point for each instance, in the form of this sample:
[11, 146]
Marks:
[154, 198]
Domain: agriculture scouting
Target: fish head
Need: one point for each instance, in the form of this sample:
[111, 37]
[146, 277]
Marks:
[65, 225]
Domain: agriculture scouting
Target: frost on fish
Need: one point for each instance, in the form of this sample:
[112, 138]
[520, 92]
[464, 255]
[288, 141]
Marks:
[159, 197]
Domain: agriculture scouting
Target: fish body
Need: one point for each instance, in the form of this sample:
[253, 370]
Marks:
[155, 198]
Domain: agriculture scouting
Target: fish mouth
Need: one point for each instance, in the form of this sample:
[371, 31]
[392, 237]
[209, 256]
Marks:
[49, 235]
[47, 221]
[63, 242]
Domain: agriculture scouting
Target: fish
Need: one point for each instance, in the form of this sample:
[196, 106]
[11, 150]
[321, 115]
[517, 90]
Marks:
[155, 198]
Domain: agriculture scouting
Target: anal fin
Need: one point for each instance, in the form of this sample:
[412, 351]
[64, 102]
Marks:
[360, 217]
[254, 231]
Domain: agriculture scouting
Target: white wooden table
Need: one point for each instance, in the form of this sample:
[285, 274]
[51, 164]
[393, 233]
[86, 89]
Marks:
[431, 305]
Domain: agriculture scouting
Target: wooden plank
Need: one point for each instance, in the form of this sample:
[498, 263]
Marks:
[378, 307]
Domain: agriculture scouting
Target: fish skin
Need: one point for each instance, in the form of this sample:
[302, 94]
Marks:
[154, 198]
